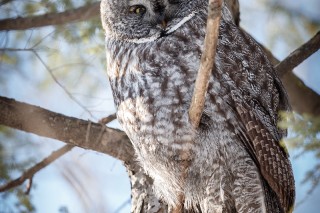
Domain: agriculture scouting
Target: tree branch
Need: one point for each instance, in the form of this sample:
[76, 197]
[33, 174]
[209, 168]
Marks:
[80, 14]
[30, 172]
[207, 62]
[3, 2]
[108, 119]
[45, 162]
[301, 97]
[73, 131]
[299, 55]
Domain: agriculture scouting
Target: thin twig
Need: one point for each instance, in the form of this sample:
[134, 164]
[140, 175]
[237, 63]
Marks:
[36, 168]
[108, 119]
[16, 49]
[207, 62]
[29, 185]
[88, 132]
[59, 84]
[299, 55]
[50, 71]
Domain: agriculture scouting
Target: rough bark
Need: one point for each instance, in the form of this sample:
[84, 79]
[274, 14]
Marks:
[87, 135]
[73, 131]
[75, 15]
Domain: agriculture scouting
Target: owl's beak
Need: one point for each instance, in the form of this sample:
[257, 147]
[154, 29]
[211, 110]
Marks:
[164, 24]
[162, 21]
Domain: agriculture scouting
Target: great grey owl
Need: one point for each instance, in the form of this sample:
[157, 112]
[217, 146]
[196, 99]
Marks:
[235, 162]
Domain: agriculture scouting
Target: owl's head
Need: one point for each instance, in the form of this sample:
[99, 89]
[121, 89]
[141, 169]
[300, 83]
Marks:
[142, 21]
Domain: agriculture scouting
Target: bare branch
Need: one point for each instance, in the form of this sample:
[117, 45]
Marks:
[108, 119]
[36, 168]
[299, 55]
[29, 185]
[301, 97]
[59, 84]
[207, 62]
[16, 49]
[3, 2]
[80, 14]
[50, 71]
[73, 131]
[293, 13]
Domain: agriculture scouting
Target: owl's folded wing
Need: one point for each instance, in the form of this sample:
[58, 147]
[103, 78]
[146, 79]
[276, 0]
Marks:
[270, 156]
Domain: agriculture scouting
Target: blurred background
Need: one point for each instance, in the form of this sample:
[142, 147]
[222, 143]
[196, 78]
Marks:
[62, 68]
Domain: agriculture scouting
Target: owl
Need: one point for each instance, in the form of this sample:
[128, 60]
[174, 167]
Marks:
[234, 161]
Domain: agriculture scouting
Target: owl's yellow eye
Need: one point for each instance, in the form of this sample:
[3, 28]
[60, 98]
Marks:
[137, 9]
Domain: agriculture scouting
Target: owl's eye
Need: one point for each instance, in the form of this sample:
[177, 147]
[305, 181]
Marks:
[137, 9]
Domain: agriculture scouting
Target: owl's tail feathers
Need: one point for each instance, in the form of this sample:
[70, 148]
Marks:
[273, 204]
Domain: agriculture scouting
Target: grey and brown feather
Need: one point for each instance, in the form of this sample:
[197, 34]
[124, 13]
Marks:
[236, 163]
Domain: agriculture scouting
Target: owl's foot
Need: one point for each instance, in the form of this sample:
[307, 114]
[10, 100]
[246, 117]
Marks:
[176, 209]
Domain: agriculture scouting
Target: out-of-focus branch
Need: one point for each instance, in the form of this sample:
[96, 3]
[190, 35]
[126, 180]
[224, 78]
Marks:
[108, 119]
[293, 13]
[207, 62]
[234, 7]
[301, 97]
[3, 2]
[45, 162]
[299, 55]
[30, 172]
[80, 14]
[73, 131]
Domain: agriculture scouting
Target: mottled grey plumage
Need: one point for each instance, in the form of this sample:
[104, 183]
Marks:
[236, 163]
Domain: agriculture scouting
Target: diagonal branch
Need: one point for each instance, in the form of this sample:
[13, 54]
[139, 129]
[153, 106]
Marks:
[108, 119]
[302, 99]
[33, 170]
[73, 131]
[299, 55]
[207, 62]
[45, 162]
[50, 71]
[3, 2]
[58, 82]
[80, 14]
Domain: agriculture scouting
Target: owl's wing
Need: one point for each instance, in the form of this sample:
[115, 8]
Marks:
[269, 155]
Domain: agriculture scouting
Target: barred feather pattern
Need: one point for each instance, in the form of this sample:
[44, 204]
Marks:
[235, 162]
